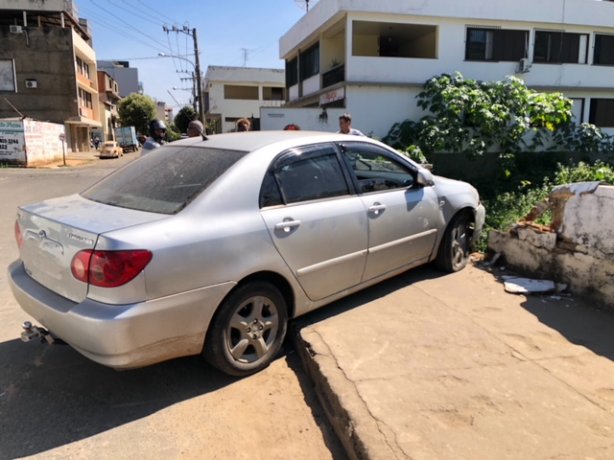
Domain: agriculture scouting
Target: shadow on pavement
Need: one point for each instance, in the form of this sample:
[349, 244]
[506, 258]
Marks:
[51, 395]
[578, 321]
[369, 294]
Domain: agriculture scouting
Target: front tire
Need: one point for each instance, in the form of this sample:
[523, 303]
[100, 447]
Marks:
[455, 245]
[248, 330]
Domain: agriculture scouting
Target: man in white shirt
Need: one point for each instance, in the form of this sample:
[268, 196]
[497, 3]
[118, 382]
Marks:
[345, 125]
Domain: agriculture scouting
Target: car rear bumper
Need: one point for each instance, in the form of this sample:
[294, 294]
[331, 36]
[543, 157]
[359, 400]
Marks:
[122, 336]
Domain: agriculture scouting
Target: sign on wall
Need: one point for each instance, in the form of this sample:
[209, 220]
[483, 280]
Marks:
[12, 142]
[332, 96]
[28, 142]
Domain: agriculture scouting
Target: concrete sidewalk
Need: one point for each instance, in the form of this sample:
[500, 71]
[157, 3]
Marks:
[427, 366]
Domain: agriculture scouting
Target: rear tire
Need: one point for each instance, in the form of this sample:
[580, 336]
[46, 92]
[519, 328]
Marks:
[455, 245]
[248, 329]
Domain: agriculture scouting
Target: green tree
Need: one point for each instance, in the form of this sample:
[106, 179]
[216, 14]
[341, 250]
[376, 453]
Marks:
[137, 110]
[184, 117]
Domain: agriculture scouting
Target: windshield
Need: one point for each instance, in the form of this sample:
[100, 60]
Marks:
[165, 180]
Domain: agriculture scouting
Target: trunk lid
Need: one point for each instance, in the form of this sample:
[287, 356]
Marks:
[55, 230]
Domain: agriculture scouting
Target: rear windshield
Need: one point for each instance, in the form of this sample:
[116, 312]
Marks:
[164, 180]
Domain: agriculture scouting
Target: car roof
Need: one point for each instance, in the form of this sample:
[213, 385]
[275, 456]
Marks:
[254, 140]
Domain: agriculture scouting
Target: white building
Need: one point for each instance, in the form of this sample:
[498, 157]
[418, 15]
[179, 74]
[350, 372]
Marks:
[371, 58]
[239, 92]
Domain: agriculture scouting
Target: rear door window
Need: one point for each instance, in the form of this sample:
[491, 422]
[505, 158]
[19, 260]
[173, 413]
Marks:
[165, 180]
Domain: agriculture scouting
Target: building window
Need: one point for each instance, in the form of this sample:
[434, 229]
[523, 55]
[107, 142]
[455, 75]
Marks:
[577, 110]
[86, 99]
[7, 75]
[602, 113]
[604, 50]
[560, 47]
[249, 93]
[291, 72]
[310, 62]
[271, 93]
[496, 44]
[391, 39]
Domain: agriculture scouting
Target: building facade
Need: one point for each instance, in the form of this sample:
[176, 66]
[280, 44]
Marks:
[372, 58]
[126, 77]
[239, 92]
[48, 67]
[108, 89]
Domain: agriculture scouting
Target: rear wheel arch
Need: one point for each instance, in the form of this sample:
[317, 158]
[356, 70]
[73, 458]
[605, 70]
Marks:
[277, 281]
[231, 325]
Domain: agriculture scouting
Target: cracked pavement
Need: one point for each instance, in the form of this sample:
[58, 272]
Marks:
[452, 367]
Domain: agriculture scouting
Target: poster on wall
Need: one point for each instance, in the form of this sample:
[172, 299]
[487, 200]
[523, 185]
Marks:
[12, 142]
[7, 75]
[43, 140]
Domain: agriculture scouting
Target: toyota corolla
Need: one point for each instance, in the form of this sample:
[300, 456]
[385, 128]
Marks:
[210, 245]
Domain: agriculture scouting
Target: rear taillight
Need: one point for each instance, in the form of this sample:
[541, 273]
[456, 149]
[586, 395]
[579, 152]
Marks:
[18, 235]
[109, 268]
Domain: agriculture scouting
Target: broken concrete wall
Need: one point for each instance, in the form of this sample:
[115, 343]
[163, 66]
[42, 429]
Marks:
[578, 248]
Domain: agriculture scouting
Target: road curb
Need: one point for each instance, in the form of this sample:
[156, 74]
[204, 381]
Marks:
[360, 434]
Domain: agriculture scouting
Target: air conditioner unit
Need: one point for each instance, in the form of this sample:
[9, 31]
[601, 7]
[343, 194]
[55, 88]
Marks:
[524, 65]
[31, 84]
[15, 29]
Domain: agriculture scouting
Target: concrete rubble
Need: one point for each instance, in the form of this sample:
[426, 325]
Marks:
[577, 248]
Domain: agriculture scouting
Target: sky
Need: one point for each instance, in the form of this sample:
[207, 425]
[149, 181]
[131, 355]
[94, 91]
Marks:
[230, 33]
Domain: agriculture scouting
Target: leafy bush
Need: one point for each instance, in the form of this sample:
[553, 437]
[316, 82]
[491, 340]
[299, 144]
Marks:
[474, 117]
[583, 172]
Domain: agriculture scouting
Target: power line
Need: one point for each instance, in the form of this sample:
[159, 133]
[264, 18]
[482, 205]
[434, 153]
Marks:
[142, 14]
[161, 15]
[127, 23]
[134, 11]
[101, 22]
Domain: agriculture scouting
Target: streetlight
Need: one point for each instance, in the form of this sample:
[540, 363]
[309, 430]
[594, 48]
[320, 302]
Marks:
[199, 89]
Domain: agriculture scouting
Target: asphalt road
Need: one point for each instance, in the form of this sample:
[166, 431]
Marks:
[55, 403]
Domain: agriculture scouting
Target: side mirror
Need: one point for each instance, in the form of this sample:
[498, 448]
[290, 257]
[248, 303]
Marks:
[425, 178]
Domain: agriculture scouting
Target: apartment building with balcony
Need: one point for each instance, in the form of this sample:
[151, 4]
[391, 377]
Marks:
[126, 77]
[108, 91]
[237, 92]
[372, 58]
[48, 67]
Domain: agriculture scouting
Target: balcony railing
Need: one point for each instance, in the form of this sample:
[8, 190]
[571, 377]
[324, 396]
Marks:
[272, 103]
[332, 76]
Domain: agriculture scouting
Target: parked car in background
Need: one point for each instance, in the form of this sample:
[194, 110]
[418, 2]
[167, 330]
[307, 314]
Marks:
[210, 246]
[111, 149]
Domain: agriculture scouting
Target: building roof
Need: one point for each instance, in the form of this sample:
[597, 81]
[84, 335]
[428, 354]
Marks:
[245, 74]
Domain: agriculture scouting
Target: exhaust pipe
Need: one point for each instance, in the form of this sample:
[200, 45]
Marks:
[31, 332]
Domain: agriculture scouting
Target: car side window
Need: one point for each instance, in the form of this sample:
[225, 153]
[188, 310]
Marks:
[374, 170]
[302, 175]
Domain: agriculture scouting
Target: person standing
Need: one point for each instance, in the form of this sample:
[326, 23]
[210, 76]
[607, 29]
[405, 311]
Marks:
[195, 128]
[243, 124]
[157, 136]
[345, 125]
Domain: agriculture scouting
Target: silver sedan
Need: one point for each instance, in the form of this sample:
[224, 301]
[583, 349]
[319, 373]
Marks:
[210, 245]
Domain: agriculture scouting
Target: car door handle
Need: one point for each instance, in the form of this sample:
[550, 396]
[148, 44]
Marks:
[376, 208]
[287, 225]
